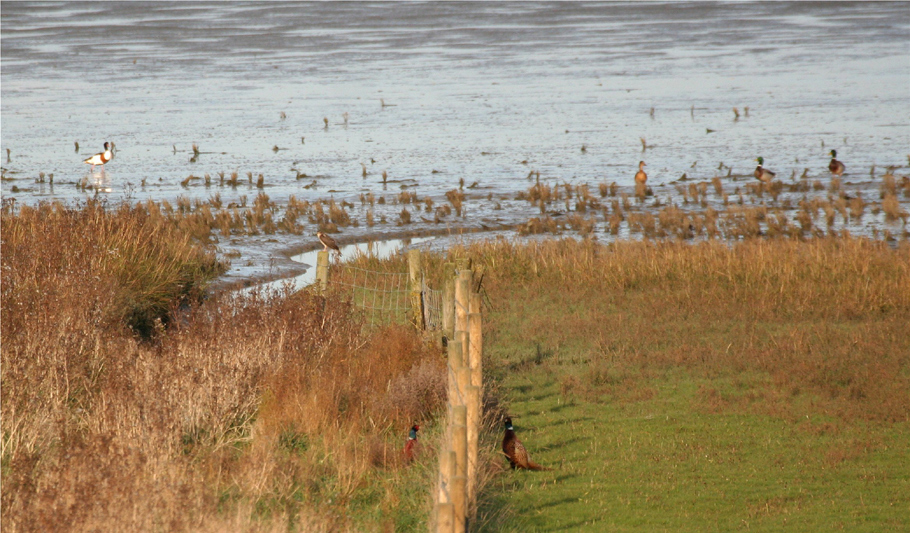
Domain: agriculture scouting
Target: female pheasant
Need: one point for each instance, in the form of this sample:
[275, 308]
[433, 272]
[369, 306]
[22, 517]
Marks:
[515, 450]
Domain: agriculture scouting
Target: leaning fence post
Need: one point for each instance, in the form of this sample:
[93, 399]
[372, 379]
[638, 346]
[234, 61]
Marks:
[322, 270]
[415, 289]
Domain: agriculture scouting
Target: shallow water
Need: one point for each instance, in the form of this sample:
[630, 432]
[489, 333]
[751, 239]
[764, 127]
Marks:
[484, 92]
[378, 249]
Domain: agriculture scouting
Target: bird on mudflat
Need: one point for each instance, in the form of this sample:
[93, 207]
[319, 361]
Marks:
[328, 242]
[640, 176]
[515, 450]
[835, 166]
[761, 173]
[412, 447]
[100, 158]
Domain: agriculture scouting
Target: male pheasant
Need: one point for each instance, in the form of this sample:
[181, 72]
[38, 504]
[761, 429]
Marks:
[411, 447]
[515, 450]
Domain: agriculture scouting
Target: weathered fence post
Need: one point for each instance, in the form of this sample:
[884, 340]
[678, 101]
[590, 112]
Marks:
[462, 324]
[322, 270]
[415, 289]
[459, 482]
[448, 301]
[475, 393]
[462, 296]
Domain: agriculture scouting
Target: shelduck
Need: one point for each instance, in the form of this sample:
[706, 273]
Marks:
[100, 158]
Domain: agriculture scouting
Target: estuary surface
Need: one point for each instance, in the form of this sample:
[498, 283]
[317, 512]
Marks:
[311, 95]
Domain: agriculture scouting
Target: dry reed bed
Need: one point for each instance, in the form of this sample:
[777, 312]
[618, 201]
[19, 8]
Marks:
[252, 414]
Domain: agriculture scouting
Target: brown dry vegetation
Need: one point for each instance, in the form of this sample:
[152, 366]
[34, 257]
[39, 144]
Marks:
[240, 415]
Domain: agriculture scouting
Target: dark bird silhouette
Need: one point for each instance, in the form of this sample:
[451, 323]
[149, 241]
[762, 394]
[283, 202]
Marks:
[835, 166]
[412, 447]
[328, 242]
[515, 450]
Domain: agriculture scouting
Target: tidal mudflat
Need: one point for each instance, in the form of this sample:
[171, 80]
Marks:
[376, 107]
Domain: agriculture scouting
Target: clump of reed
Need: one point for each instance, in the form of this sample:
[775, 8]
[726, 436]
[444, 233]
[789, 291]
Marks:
[456, 198]
[540, 194]
[442, 212]
[232, 414]
[643, 223]
[536, 226]
[892, 208]
[583, 225]
[407, 197]
[338, 215]
[404, 216]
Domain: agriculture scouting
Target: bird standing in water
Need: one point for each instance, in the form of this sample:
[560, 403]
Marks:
[411, 447]
[836, 167]
[515, 450]
[640, 176]
[327, 242]
[100, 158]
[763, 174]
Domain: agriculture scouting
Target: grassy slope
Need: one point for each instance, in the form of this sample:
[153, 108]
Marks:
[664, 407]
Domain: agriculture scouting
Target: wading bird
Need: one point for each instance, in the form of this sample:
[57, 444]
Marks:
[515, 450]
[100, 158]
[412, 447]
[328, 242]
[763, 174]
[836, 167]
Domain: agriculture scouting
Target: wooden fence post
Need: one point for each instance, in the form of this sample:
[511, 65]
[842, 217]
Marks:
[459, 482]
[456, 501]
[475, 394]
[415, 289]
[445, 521]
[456, 362]
[322, 270]
[448, 301]
[462, 300]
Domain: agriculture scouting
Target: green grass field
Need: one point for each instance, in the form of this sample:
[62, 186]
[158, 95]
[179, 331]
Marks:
[669, 404]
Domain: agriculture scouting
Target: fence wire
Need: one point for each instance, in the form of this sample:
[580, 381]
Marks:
[385, 296]
[432, 307]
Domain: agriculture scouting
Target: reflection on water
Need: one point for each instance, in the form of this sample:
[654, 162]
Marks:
[378, 249]
[98, 181]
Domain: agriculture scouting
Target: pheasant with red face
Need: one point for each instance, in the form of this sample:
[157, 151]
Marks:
[515, 450]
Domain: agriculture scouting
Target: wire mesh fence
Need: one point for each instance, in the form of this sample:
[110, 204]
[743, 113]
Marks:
[383, 296]
[432, 307]
[387, 297]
